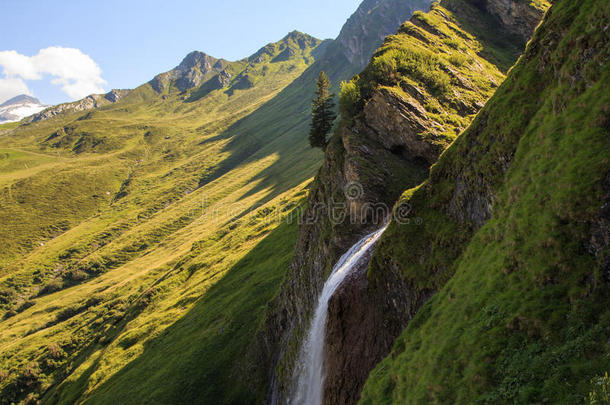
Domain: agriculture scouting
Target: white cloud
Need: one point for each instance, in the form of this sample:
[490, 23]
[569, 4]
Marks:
[15, 64]
[12, 87]
[74, 71]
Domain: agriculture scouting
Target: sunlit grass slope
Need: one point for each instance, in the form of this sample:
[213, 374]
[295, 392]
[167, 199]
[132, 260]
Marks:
[118, 222]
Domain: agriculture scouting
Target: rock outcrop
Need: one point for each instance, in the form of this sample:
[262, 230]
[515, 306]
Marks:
[88, 103]
[519, 16]
[194, 69]
[371, 23]
[354, 311]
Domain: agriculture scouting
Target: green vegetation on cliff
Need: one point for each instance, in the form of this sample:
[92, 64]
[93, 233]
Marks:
[449, 60]
[514, 237]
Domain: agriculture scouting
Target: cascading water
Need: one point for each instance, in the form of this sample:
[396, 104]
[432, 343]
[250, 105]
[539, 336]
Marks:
[311, 362]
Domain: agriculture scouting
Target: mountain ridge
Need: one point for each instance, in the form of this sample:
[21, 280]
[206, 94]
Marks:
[21, 98]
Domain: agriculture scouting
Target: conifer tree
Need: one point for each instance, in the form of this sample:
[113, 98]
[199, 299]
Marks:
[322, 113]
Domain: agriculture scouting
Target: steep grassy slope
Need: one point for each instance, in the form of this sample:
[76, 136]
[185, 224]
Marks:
[117, 220]
[172, 368]
[423, 87]
[515, 236]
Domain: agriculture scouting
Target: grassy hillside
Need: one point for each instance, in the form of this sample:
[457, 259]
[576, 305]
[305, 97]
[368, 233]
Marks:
[116, 221]
[515, 236]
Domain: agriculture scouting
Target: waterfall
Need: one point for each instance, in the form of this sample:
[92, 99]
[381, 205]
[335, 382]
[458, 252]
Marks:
[310, 368]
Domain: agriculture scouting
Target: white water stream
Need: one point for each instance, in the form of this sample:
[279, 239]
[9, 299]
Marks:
[311, 361]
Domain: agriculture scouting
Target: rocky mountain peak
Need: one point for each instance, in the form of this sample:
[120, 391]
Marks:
[21, 99]
[194, 69]
[292, 44]
[374, 20]
[19, 107]
[302, 40]
[201, 60]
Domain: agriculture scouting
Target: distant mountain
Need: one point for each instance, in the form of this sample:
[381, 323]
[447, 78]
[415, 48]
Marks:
[87, 103]
[19, 107]
[193, 71]
[372, 22]
[206, 73]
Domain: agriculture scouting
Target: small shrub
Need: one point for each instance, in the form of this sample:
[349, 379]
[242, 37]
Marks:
[349, 99]
[25, 305]
[32, 399]
[6, 296]
[458, 59]
[600, 394]
[384, 67]
[51, 287]
[76, 276]
[452, 42]
[55, 351]
[67, 313]
[29, 378]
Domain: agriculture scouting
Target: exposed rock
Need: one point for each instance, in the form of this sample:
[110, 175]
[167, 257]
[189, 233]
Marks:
[90, 102]
[518, 16]
[400, 123]
[116, 95]
[371, 23]
[194, 69]
[354, 311]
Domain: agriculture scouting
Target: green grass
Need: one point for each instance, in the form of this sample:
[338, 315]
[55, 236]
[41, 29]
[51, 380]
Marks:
[9, 125]
[221, 323]
[117, 222]
[521, 315]
[433, 60]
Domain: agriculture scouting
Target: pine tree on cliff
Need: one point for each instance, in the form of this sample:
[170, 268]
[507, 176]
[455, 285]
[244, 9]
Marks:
[322, 113]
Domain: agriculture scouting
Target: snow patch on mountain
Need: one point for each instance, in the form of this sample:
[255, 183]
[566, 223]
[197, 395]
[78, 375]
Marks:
[20, 107]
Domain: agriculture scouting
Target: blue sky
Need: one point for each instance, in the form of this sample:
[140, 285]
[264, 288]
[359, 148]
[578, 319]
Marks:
[133, 40]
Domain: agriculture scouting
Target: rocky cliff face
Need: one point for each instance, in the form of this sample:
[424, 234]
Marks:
[519, 16]
[358, 337]
[371, 23]
[398, 124]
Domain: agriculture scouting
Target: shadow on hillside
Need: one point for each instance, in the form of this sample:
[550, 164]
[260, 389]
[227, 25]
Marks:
[498, 45]
[72, 391]
[280, 127]
[198, 358]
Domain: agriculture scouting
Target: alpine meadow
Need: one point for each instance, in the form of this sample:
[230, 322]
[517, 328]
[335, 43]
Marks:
[414, 212]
